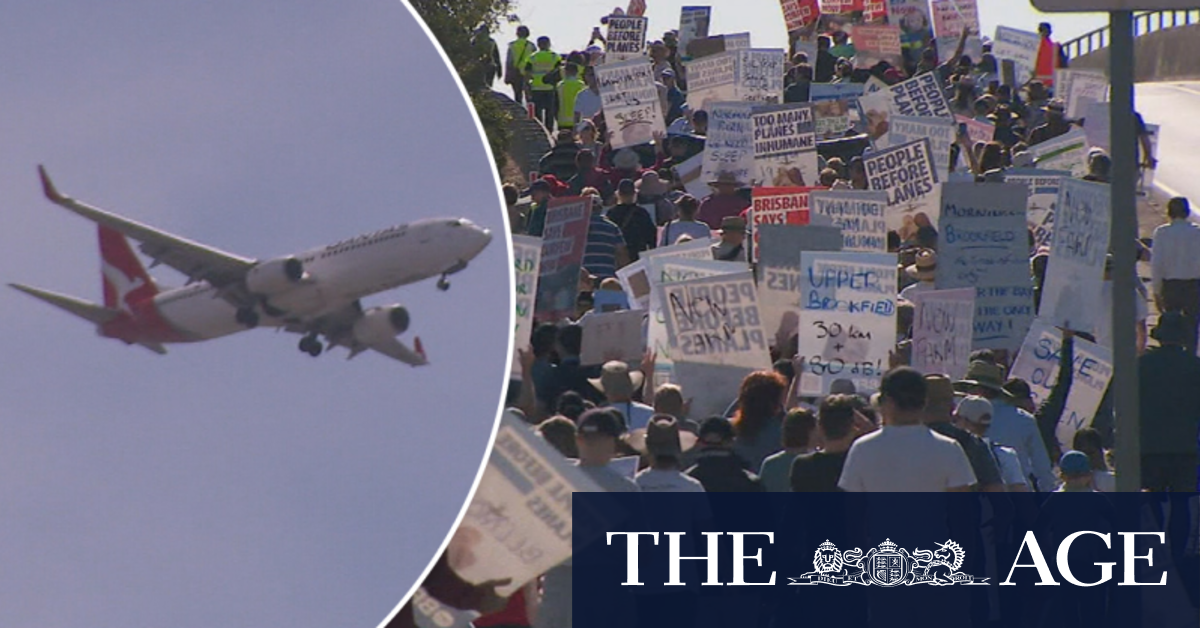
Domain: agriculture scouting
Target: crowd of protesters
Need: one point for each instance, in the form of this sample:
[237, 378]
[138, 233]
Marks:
[918, 432]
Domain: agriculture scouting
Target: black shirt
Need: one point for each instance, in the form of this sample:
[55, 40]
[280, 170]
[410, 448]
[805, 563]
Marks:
[637, 227]
[983, 463]
[818, 472]
[722, 471]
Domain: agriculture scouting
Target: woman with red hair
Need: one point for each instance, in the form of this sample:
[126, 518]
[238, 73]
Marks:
[758, 420]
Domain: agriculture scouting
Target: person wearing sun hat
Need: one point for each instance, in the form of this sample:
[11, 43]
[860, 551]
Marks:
[617, 382]
[664, 444]
[924, 270]
[724, 201]
[1056, 123]
[1011, 426]
[732, 247]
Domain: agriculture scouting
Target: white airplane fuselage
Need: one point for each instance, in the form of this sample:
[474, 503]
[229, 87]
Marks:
[334, 276]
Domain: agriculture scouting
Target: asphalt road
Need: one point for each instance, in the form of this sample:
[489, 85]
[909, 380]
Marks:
[1175, 107]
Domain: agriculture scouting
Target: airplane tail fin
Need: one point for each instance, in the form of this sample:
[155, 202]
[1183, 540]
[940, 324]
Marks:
[87, 310]
[125, 279]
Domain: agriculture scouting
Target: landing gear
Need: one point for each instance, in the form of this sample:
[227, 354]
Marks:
[443, 284]
[247, 316]
[311, 345]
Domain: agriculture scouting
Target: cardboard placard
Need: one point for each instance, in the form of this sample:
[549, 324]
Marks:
[527, 252]
[693, 24]
[712, 78]
[859, 214]
[626, 38]
[613, 336]
[908, 174]
[1075, 272]
[715, 320]
[1042, 186]
[943, 325]
[630, 102]
[760, 75]
[784, 145]
[730, 144]
[563, 242]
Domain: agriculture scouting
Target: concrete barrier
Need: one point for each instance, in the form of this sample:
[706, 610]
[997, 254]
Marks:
[1166, 55]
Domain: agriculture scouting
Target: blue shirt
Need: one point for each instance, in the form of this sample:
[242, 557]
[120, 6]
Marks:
[1016, 428]
[600, 255]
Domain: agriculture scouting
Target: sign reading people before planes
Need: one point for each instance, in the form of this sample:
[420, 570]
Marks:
[630, 102]
[941, 134]
[785, 145]
[527, 251]
[519, 523]
[908, 174]
[859, 214]
[920, 96]
[626, 38]
[799, 13]
[563, 241]
[715, 320]
[1075, 271]
[847, 320]
[729, 147]
[983, 245]
[942, 331]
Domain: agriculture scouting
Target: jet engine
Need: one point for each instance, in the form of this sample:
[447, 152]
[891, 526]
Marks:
[275, 276]
[379, 323]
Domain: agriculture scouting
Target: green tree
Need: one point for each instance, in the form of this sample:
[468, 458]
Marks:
[455, 24]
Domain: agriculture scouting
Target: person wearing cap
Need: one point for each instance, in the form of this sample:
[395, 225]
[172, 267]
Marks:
[924, 270]
[939, 417]
[905, 455]
[1056, 123]
[618, 383]
[566, 92]
[798, 436]
[626, 164]
[717, 467]
[974, 415]
[693, 122]
[664, 444]
[1175, 267]
[1011, 426]
[731, 247]
[1169, 408]
[676, 99]
[541, 91]
[635, 222]
[1076, 472]
[1089, 442]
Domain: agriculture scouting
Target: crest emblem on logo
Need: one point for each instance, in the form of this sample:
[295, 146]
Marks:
[888, 565]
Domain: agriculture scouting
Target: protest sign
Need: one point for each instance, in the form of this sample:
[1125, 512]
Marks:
[563, 241]
[1021, 47]
[908, 175]
[873, 44]
[693, 24]
[1037, 361]
[831, 119]
[1075, 271]
[947, 45]
[527, 252]
[691, 175]
[799, 13]
[859, 214]
[819, 92]
[613, 336]
[943, 325]
[1042, 186]
[428, 612]
[920, 96]
[784, 145]
[776, 206]
[1097, 125]
[711, 79]
[976, 130]
[737, 41]
[1080, 88]
[779, 281]
[1089, 381]
[760, 75]
[630, 102]
[715, 320]
[667, 270]
[635, 284]
[730, 143]
[519, 522]
[840, 7]
[626, 38]
[951, 16]
[941, 133]
[847, 319]
[983, 245]
[1065, 152]
[916, 25]
[874, 11]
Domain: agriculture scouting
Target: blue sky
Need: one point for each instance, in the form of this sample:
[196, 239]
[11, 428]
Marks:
[570, 23]
[236, 482]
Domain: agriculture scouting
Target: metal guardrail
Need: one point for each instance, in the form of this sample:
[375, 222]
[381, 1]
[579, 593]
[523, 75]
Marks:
[1143, 23]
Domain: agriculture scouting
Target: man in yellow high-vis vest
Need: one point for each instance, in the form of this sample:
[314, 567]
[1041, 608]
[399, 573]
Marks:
[568, 89]
[519, 52]
[541, 91]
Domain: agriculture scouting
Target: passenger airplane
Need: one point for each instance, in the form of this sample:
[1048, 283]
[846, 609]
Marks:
[315, 293]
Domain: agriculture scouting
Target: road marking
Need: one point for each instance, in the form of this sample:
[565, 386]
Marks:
[1180, 87]
[1166, 189]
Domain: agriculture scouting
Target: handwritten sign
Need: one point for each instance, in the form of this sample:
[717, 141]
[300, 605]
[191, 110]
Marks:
[519, 522]
[1018, 46]
[848, 319]
[916, 26]
[760, 75]
[908, 174]
[626, 38]
[1075, 272]
[1065, 152]
[1042, 186]
[715, 320]
[1081, 88]
[662, 271]
[776, 206]
[1037, 361]
[951, 16]
[859, 214]
[693, 24]
[1089, 381]
[527, 252]
[711, 79]
[873, 44]
[613, 336]
[779, 283]
[941, 134]
[730, 144]
[799, 13]
[630, 102]
[983, 245]
[831, 119]
[785, 145]
[942, 330]
[563, 241]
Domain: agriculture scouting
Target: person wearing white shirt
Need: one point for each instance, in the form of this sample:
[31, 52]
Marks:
[1011, 426]
[587, 102]
[974, 414]
[924, 270]
[618, 383]
[1175, 266]
[905, 455]
[664, 443]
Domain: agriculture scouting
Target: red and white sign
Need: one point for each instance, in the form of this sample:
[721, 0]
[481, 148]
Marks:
[778, 206]
[799, 13]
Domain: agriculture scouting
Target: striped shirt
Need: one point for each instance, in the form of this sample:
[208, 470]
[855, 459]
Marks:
[600, 255]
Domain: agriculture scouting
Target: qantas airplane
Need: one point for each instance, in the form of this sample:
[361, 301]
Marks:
[315, 293]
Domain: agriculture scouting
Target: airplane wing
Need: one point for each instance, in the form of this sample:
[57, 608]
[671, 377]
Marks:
[338, 328]
[396, 350]
[197, 261]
